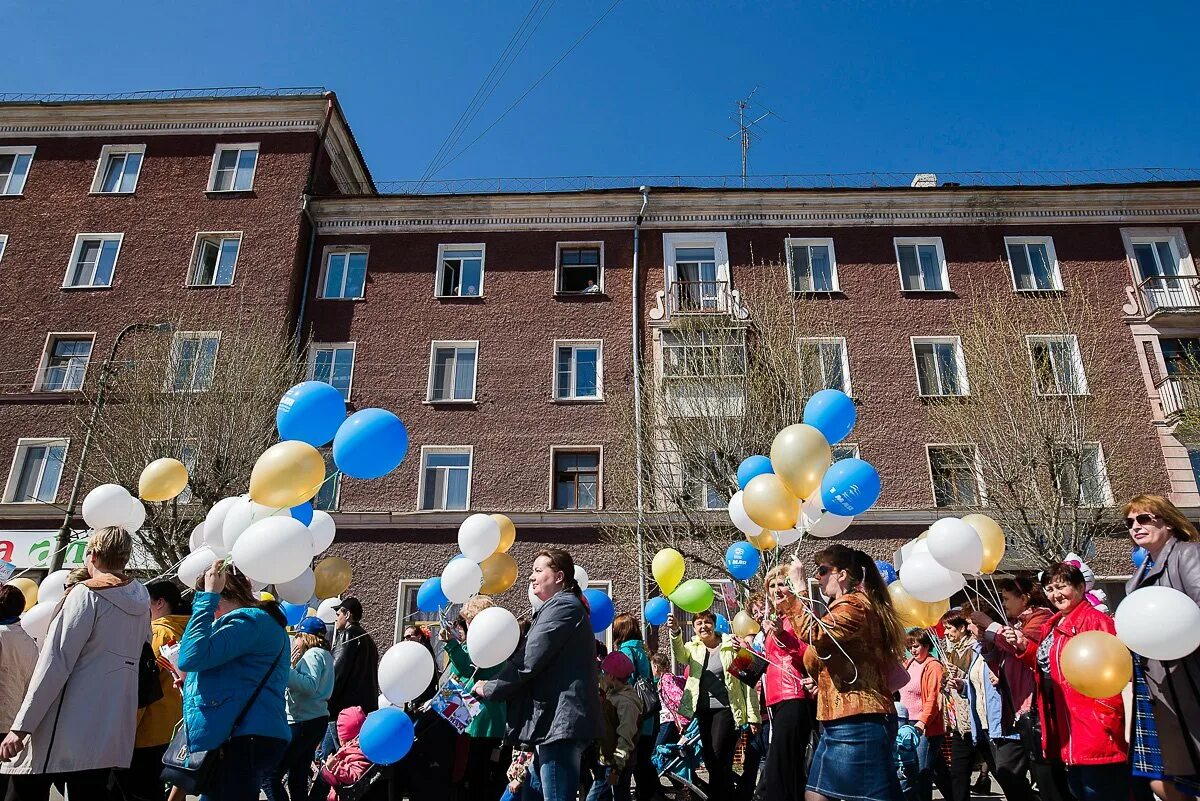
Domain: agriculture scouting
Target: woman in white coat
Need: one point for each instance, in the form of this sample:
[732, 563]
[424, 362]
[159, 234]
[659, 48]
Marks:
[79, 716]
[18, 655]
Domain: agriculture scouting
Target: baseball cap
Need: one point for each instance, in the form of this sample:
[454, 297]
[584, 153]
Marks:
[351, 605]
[617, 665]
[311, 625]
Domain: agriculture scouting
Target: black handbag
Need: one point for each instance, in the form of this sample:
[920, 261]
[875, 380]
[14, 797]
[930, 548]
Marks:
[149, 678]
[355, 792]
[192, 771]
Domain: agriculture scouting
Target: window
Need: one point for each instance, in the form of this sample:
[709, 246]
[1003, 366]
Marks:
[408, 614]
[193, 361]
[580, 268]
[845, 450]
[824, 364]
[118, 169]
[941, 369]
[702, 479]
[328, 497]
[1181, 355]
[233, 168]
[14, 168]
[214, 259]
[36, 470]
[445, 478]
[64, 363]
[93, 260]
[1156, 257]
[1034, 265]
[577, 370]
[956, 480]
[704, 354]
[333, 364]
[1080, 475]
[697, 268]
[811, 265]
[922, 265]
[1057, 365]
[3, 244]
[576, 479]
[460, 271]
[188, 454]
[345, 275]
[452, 371]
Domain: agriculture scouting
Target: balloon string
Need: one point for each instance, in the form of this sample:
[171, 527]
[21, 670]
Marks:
[990, 602]
[827, 630]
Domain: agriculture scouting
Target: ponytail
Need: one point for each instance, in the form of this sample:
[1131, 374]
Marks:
[561, 560]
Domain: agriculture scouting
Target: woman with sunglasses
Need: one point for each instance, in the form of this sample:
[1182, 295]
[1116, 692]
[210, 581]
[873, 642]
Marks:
[854, 651]
[1167, 693]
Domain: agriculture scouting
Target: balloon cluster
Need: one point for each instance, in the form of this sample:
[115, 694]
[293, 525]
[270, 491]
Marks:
[693, 595]
[483, 564]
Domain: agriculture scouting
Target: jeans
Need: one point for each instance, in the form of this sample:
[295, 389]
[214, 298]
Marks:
[557, 768]
[296, 762]
[1099, 782]
[718, 741]
[329, 743]
[962, 757]
[1011, 761]
[245, 764]
[601, 789]
[668, 734]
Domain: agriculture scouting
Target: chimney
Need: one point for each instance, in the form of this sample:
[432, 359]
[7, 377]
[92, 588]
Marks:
[924, 179]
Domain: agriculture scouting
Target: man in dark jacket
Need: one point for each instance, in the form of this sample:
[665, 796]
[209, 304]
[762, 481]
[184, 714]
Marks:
[355, 666]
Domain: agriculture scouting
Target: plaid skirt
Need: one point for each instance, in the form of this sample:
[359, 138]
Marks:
[1146, 756]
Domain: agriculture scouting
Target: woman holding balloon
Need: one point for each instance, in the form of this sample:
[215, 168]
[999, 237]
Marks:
[788, 698]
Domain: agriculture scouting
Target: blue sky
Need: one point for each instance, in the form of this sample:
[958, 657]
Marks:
[881, 86]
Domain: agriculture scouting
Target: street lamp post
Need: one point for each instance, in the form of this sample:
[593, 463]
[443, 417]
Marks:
[106, 371]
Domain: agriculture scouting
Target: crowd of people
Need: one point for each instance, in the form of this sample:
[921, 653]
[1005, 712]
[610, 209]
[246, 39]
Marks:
[836, 700]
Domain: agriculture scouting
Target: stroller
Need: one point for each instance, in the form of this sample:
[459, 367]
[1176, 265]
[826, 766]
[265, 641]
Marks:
[678, 762]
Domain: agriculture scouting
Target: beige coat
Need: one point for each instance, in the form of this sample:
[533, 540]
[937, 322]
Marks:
[18, 654]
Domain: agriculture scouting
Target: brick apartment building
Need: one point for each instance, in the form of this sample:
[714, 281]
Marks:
[500, 327]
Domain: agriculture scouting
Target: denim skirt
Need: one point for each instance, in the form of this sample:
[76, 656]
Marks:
[855, 759]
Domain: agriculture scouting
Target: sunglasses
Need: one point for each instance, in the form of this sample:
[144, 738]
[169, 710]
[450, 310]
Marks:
[824, 570]
[1145, 518]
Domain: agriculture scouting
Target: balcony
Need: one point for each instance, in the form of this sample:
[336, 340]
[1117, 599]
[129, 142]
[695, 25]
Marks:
[698, 297]
[1175, 295]
[1179, 394]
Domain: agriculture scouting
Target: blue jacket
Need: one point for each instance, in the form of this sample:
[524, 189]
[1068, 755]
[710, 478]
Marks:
[309, 686]
[992, 700]
[636, 651]
[225, 660]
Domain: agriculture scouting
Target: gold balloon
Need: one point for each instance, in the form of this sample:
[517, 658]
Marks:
[936, 610]
[769, 503]
[287, 474]
[310, 612]
[743, 625]
[800, 455]
[333, 576]
[265, 596]
[992, 537]
[28, 588]
[763, 540]
[162, 480]
[508, 533]
[913, 613]
[499, 573]
[1096, 664]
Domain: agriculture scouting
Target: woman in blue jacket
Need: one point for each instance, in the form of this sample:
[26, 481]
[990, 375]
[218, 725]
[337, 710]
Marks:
[232, 644]
[308, 689]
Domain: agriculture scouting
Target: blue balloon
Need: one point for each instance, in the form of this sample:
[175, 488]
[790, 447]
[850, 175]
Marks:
[370, 444]
[1139, 556]
[601, 608]
[742, 560]
[831, 412]
[310, 412]
[752, 466]
[303, 513]
[430, 597]
[887, 571]
[722, 625]
[657, 610]
[850, 487]
[386, 736]
[293, 612]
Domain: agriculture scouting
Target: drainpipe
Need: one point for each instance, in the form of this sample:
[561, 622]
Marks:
[637, 394]
[312, 225]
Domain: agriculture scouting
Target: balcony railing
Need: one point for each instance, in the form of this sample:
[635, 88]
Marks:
[1179, 394]
[1177, 293]
[699, 297]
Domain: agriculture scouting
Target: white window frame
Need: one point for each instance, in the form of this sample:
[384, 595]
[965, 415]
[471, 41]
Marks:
[335, 478]
[960, 362]
[452, 343]
[51, 338]
[437, 273]
[1076, 356]
[216, 158]
[78, 246]
[791, 242]
[980, 489]
[1051, 256]
[1141, 236]
[853, 447]
[169, 383]
[720, 245]
[3, 245]
[334, 346]
[1109, 499]
[816, 341]
[936, 241]
[106, 153]
[218, 236]
[23, 444]
[558, 249]
[597, 449]
[574, 344]
[17, 150]
[347, 251]
[449, 449]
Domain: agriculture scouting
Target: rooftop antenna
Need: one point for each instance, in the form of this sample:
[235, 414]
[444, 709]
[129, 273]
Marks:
[745, 132]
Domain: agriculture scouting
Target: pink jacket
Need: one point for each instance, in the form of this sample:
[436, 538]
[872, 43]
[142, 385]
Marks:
[346, 765]
[670, 692]
[785, 665]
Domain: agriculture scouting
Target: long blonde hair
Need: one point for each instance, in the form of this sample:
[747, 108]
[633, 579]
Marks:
[307, 641]
[1164, 510]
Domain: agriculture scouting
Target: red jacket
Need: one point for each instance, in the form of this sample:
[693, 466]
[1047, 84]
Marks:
[785, 665]
[1075, 728]
[1001, 657]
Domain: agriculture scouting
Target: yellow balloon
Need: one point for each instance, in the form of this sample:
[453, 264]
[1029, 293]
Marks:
[992, 537]
[743, 625]
[265, 596]
[499, 573]
[800, 455]
[769, 502]
[287, 474]
[28, 588]
[508, 533]
[763, 541]
[1096, 664]
[936, 610]
[310, 612]
[333, 577]
[913, 613]
[667, 569]
[162, 480]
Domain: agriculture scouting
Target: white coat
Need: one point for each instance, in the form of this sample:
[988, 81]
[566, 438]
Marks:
[18, 654]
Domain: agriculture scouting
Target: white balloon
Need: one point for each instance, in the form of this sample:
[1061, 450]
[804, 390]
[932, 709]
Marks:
[737, 513]
[956, 545]
[214, 525]
[256, 585]
[274, 550]
[243, 514]
[461, 579]
[299, 590]
[928, 581]
[534, 601]
[52, 587]
[819, 522]
[194, 565]
[196, 540]
[36, 621]
[382, 702]
[581, 577]
[106, 505]
[137, 516]
[1159, 623]
[323, 530]
[406, 669]
[788, 536]
[492, 636]
[478, 537]
[326, 610]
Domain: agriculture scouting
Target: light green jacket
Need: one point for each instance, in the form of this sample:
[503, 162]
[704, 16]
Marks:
[743, 700]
